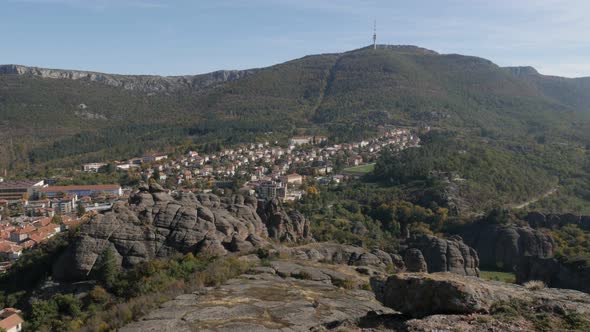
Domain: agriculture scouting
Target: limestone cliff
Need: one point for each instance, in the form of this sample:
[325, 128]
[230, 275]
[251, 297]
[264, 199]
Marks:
[143, 83]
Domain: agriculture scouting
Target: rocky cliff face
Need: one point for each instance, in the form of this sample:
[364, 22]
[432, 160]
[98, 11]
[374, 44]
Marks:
[154, 224]
[433, 254]
[144, 83]
[573, 275]
[284, 226]
[502, 246]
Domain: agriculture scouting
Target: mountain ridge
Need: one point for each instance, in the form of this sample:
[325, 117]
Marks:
[343, 95]
[146, 83]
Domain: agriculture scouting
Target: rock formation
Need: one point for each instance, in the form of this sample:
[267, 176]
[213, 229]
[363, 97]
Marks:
[420, 294]
[154, 224]
[284, 226]
[502, 246]
[267, 299]
[334, 253]
[572, 275]
[414, 261]
[435, 254]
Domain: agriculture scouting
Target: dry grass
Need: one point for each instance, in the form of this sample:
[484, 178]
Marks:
[534, 285]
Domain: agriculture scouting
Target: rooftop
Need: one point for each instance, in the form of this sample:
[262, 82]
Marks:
[10, 318]
[75, 188]
[19, 184]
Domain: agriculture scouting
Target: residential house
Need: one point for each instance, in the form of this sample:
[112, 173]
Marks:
[10, 320]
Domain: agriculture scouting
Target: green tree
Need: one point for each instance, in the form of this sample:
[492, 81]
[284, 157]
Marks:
[42, 312]
[108, 269]
[56, 219]
[80, 210]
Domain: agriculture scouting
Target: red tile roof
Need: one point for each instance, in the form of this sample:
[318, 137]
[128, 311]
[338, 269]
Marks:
[90, 187]
[11, 320]
[25, 230]
[7, 247]
[17, 184]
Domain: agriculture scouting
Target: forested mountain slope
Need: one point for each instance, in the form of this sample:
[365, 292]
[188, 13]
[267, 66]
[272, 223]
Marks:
[50, 115]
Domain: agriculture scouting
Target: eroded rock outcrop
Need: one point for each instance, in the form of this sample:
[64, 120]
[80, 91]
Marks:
[334, 253]
[441, 255]
[154, 224]
[284, 226]
[420, 294]
[572, 275]
[502, 246]
[414, 261]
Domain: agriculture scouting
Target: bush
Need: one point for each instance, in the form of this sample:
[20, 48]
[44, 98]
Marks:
[302, 275]
[345, 283]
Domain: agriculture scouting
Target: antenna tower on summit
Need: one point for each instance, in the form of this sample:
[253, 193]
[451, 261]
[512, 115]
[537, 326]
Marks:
[375, 35]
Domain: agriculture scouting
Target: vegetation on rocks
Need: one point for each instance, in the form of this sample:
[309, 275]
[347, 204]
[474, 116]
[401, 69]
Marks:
[130, 294]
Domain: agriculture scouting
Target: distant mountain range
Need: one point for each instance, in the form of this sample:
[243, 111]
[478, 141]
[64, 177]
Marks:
[67, 116]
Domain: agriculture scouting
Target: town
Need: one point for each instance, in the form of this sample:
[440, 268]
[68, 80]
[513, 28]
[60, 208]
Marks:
[34, 211]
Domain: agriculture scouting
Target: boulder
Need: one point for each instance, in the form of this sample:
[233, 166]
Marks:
[421, 294]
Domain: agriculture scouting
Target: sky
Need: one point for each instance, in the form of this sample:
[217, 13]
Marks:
[181, 37]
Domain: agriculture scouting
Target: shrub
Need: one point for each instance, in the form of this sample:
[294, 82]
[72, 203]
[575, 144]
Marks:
[302, 275]
[345, 283]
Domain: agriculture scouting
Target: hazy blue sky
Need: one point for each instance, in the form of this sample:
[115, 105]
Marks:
[171, 37]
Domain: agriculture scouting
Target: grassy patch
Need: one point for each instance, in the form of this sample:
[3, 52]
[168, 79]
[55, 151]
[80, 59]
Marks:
[359, 170]
[542, 320]
[345, 283]
[507, 277]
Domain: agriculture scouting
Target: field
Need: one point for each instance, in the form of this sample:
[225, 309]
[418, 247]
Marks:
[507, 277]
[359, 170]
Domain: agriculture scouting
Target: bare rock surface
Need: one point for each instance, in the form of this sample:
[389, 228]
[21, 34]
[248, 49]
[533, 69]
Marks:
[154, 224]
[264, 301]
[420, 295]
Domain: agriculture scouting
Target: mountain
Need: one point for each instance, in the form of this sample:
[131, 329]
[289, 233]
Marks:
[569, 91]
[48, 116]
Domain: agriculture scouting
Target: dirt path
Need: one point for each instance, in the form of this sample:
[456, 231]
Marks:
[534, 200]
